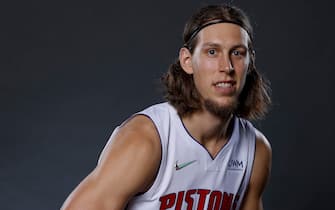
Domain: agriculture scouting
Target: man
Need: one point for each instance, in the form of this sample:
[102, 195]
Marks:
[197, 151]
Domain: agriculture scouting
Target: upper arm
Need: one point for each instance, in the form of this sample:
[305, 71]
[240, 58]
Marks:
[127, 166]
[260, 174]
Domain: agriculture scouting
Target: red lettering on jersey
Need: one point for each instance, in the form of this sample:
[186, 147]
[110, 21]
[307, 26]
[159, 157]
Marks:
[215, 200]
[180, 199]
[202, 198]
[227, 201]
[189, 199]
[167, 201]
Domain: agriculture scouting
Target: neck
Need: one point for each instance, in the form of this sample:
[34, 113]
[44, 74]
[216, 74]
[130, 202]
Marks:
[209, 130]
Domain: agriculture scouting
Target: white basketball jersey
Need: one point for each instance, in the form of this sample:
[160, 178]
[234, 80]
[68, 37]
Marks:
[188, 177]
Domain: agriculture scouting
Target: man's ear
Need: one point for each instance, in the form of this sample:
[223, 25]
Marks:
[185, 59]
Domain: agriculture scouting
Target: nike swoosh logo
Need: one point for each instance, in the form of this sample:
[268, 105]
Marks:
[183, 165]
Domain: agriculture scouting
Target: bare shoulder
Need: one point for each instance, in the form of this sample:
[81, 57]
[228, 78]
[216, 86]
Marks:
[138, 133]
[262, 163]
[260, 174]
[134, 148]
[127, 166]
[263, 145]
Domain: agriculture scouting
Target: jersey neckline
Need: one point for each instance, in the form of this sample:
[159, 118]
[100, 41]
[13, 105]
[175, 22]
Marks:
[231, 139]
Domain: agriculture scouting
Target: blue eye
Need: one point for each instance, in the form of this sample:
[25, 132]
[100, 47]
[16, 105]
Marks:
[239, 53]
[212, 52]
[236, 53]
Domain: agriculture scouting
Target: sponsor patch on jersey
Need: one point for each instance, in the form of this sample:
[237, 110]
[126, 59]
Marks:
[235, 164]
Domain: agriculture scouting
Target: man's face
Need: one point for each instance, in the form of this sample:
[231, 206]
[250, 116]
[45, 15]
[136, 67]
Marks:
[220, 48]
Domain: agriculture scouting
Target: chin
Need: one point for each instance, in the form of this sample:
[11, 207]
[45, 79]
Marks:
[222, 108]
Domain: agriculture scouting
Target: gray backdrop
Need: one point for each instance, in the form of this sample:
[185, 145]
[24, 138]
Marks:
[72, 71]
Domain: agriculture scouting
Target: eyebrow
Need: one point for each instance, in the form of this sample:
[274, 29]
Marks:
[216, 45]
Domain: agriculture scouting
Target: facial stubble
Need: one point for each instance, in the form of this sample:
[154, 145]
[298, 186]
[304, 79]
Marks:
[222, 111]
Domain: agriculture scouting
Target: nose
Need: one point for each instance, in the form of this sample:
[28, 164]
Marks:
[226, 64]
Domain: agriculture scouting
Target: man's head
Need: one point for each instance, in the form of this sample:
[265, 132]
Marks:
[216, 66]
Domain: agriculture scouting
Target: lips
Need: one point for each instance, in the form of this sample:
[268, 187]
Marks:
[227, 83]
[224, 84]
[225, 87]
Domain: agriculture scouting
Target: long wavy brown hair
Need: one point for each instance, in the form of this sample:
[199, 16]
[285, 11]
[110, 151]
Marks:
[181, 92]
